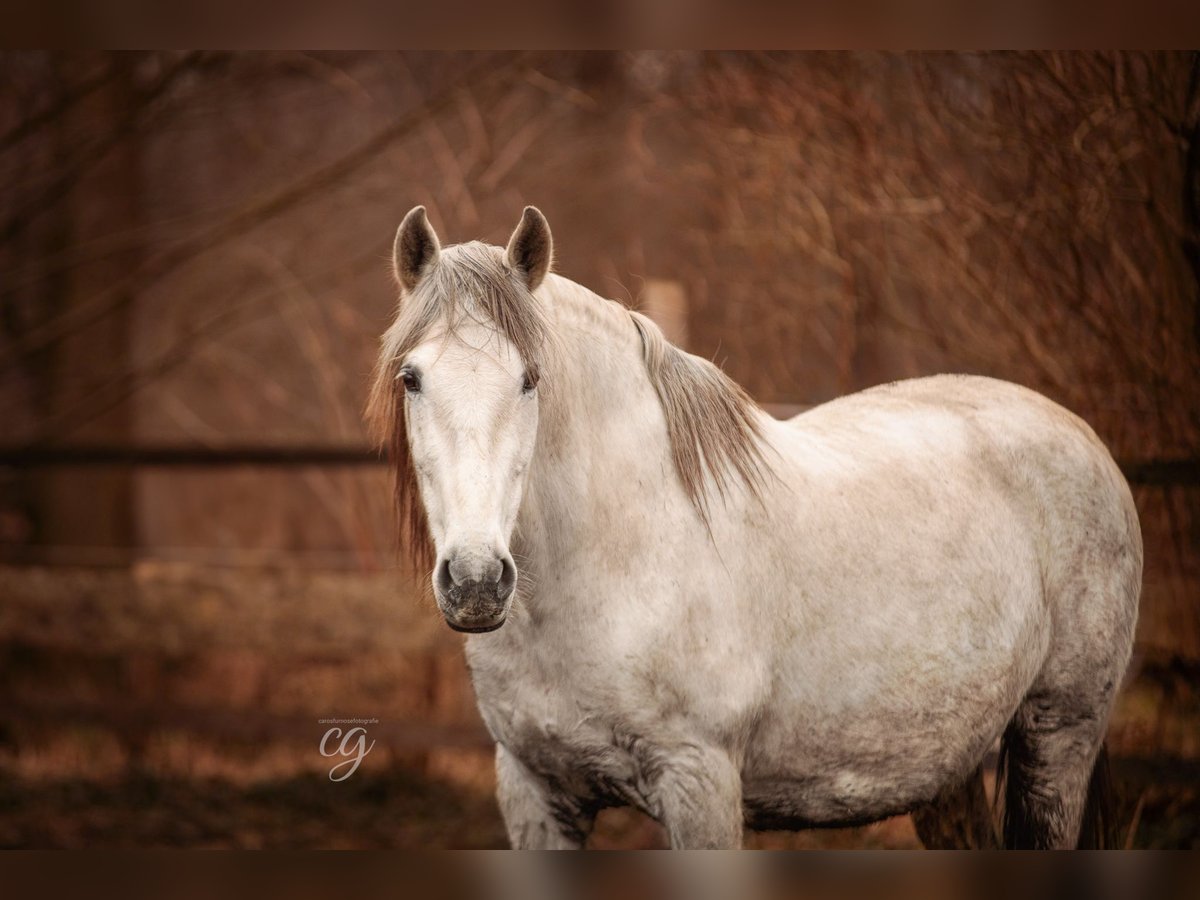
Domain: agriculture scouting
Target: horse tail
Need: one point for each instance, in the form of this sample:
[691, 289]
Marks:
[1008, 791]
[1020, 824]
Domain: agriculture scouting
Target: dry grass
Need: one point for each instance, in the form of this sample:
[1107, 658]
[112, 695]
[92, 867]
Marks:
[175, 706]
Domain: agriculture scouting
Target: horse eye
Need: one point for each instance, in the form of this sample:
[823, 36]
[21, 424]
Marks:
[412, 381]
[530, 382]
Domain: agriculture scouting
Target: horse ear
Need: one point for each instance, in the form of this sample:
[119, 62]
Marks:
[416, 248]
[530, 248]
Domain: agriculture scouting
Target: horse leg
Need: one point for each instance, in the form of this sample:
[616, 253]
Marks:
[1047, 758]
[535, 816]
[958, 818]
[697, 797]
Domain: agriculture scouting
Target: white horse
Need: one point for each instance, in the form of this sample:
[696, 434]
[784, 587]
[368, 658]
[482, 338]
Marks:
[678, 602]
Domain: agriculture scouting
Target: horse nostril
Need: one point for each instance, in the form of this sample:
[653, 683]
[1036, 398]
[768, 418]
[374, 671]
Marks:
[442, 577]
[508, 578]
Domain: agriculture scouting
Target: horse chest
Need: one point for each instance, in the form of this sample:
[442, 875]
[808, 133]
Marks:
[561, 734]
[578, 761]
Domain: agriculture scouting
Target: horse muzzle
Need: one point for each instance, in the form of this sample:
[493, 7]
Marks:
[474, 590]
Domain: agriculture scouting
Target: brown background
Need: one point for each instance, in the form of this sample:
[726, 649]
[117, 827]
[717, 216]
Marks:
[194, 259]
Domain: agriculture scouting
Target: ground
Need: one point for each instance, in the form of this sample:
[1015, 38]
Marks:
[170, 706]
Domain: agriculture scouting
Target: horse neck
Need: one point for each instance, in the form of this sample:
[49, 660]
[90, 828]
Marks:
[600, 431]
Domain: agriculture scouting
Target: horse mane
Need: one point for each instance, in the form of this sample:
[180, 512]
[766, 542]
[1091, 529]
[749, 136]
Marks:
[711, 423]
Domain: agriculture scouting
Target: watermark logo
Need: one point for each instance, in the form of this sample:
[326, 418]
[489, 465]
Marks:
[347, 744]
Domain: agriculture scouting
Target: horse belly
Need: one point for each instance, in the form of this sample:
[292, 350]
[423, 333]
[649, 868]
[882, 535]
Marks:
[862, 735]
[854, 775]
[867, 768]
